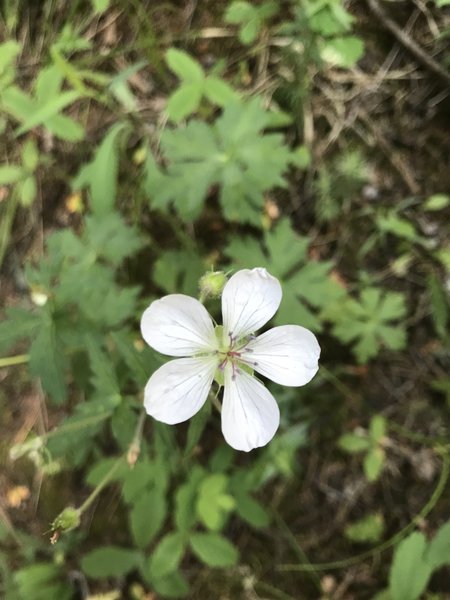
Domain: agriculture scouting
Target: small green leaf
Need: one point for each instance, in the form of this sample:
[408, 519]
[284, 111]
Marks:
[109, 561]
[373, 463]
[214, 550]
[47, 361]
[343, 51]
[30, 156]
[251, 511]
[352, 443]
[100, 6]
[49, 109]
[173, 585]
[28, 191]
[184, 101]
[438, 553]
[167, 555]
[377, 428]
[437, 201]
[10, 174]
[218, 91]
[409, 572]
[147, 516]
[184, 66]
[367, 529]
[213, 502]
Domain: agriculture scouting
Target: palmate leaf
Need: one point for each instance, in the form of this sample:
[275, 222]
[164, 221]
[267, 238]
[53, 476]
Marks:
[233, 153]
[306, 284]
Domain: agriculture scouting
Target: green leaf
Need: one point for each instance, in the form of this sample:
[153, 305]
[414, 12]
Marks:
[214, 550]
[101, 173]
[368, 529]
[30, 156]
[100, 6]
[373, 463]
[438, 552]
[184, 101]
[47, 361]
[173, 585]
[251, 511]
[439, 305]
[167, 555]
[10, 174]
[343, 51]
[185, 497]
[109, 561]
[28, 191]
[184, 66]
[213, 502]
[437, 201]
[218, 91]
[147, 516]
[377, 428]
[196, 427]
[353, 443]
[41, 114]
[409, 573]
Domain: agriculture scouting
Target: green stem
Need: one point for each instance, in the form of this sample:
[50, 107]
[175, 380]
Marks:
[106, 479]
[352, 560]
[9, 361]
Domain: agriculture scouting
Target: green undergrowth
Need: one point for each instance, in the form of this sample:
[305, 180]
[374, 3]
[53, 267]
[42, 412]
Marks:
[167, 163]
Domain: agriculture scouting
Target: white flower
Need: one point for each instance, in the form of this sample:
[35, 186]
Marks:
[179, 325]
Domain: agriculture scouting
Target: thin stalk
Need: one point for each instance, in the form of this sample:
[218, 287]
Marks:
[9, 361]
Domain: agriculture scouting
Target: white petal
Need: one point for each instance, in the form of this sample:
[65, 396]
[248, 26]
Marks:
[250, 415]
[178, 325]
[249, 300]
[287, 355]
[178, 389]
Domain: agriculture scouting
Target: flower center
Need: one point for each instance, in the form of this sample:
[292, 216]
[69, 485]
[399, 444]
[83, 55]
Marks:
[232, 351]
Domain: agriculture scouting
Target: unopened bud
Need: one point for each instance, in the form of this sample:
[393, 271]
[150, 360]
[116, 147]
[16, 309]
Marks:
[67, 520]
[212, 284]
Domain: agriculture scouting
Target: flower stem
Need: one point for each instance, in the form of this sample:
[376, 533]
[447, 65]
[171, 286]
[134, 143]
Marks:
[106, 479]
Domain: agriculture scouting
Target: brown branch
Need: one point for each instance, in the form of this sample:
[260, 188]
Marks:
[408, 43]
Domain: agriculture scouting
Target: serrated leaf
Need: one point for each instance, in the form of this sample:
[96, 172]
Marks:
[214, 550]
[167, 555]
[47, 361]
[109, 561]
[409, 573]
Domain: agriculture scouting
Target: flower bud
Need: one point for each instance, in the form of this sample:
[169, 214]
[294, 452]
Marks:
[212, 284]
[67, 520]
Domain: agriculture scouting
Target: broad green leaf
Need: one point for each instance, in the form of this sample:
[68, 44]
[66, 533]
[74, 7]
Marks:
[147, 516]
[8, 52]
[438, 552]
[30, 155]
[184, 101]
[185, 497]
[409, 573]
[184, 66]
[109, 561]
[10, 174]
[49, 109]
[353, 443]
[214, 550]
[167, 555]
[369, 529]
[17, 103]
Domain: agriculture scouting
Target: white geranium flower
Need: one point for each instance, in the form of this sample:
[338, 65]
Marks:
[179, 325]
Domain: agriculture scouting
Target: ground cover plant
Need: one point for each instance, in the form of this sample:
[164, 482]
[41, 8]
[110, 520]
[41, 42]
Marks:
[178, 151]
